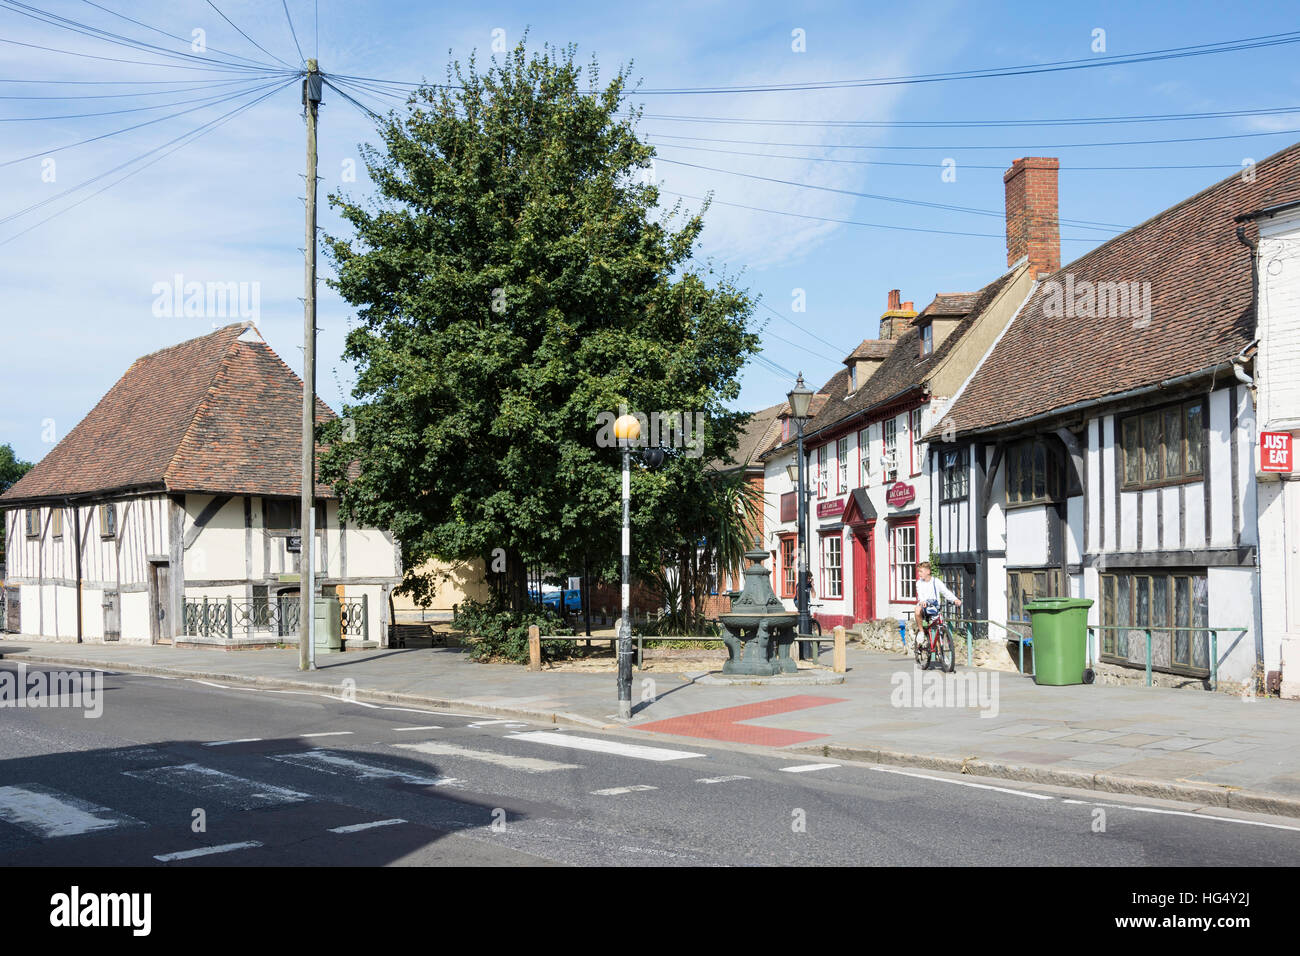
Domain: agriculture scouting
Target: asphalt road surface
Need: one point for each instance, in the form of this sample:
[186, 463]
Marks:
[187, 773]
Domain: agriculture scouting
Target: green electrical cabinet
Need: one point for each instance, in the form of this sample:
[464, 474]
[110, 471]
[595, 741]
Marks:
[328, 624]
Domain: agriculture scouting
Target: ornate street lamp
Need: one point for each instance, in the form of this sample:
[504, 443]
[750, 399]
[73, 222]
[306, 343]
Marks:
[800, 398]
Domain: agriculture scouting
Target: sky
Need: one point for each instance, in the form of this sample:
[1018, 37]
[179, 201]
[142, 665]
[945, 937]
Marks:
[85, 292]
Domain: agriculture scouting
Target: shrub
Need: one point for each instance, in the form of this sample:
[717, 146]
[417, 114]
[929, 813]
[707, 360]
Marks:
[498, 632]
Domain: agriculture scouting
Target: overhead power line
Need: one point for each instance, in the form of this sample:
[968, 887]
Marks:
[245, 35]
[857, 222]
[231, 68]
[951, 148]
[292, 31]
[187, 138]
[1089, 63]
[84, 29]
[975, 123]
[1000, 167]
[93, 139]
[174, 36]
[947, 207]
[133, 109]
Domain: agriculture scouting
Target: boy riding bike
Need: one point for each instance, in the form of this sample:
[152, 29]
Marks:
[929, 591]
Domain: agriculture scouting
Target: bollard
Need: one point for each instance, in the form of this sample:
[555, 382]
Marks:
[839, 660]
[534, 648]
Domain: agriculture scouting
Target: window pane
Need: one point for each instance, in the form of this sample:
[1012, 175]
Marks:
[1182, 618]
[1200, 613]
[1132, 453]
[1193, 432]
[1160, 656]
[1173, 442]
[1123, 612]
[1107, 613]
[1025, 478]
[1151, 446]
[1040, 470]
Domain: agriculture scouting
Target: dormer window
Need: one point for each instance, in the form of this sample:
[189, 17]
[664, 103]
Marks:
[853, 378]
[927, 339]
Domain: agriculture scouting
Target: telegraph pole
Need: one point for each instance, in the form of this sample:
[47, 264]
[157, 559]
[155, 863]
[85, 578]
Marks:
[311, 90]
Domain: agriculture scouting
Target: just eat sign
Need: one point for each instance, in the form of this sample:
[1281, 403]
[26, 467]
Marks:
[1275, 451]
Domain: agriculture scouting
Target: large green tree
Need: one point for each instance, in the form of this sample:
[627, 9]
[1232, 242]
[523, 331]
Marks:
[11, 469]
[513, 279]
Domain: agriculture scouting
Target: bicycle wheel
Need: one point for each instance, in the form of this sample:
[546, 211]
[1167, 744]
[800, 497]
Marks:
[816, 627]
[947, 652]
[921, 648]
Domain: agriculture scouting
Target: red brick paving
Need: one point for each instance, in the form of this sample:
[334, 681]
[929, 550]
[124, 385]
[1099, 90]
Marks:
[723, 724]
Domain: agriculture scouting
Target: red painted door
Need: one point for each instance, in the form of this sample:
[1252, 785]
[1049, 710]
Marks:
[864, 598]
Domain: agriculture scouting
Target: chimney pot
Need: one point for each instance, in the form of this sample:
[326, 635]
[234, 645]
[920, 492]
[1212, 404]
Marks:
[907, 306]
[893, 299]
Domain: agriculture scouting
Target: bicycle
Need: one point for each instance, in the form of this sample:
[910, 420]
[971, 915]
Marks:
[938, 643]
[815, 626]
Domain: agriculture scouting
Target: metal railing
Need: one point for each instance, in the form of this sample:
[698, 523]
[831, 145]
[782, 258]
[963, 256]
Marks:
[1123, 633]
[218, 617]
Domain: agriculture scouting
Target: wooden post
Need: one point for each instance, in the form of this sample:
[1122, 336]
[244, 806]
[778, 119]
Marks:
[534, 648]
[840, 661]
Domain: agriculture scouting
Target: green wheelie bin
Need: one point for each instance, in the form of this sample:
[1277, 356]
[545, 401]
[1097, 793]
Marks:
[1060, 627]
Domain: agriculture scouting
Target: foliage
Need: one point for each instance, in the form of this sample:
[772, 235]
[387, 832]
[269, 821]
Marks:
[513, 280]
[11, 469]
[499, 632]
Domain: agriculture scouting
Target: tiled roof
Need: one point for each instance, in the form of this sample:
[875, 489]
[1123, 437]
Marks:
[220, 414]
[759, 434]
[1199, 278]
[871, 349]
[903, 369]
[949, 304]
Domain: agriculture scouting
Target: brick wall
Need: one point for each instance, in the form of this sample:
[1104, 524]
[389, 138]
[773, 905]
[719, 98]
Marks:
[1032, 202]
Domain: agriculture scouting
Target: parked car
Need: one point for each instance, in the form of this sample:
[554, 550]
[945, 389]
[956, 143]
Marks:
[572, 599]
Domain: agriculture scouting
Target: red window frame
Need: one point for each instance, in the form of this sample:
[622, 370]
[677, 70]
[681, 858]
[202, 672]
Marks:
[789, 575]
[864, 441]
[894, 526]
[821, 564]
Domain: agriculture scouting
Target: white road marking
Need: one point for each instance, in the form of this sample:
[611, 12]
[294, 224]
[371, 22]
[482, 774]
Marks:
[327, 761]
[1189, 813]
[604, 746]
[348, 700]
[489, 723]
[429, 727]
[48, 813]
[206, 683]
[226, 787]
[327, 733]
[358, 827]
[616, 791]
[205, 851]
[721, 779]
[241, 740]
[807, 767]
[965, 783]
[436, 713]
[526, 764]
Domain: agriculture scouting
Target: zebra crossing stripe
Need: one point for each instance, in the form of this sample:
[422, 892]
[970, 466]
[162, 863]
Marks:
[48, 813]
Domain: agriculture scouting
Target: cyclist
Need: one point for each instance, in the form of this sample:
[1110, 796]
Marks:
[929, 591]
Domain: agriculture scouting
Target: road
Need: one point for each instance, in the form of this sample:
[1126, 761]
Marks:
[186, 773]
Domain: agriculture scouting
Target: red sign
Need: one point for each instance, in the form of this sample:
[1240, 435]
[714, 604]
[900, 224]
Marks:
[899, 494]
[830, 509]
[1275, 452]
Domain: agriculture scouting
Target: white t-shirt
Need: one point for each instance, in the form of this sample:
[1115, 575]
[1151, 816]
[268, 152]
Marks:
[927, 591]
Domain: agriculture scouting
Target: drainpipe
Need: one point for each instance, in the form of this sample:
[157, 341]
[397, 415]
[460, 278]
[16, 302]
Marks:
[1253, 246]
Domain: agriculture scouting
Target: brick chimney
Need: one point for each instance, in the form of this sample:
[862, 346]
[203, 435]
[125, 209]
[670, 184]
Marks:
[896, 317]
[1032, 226]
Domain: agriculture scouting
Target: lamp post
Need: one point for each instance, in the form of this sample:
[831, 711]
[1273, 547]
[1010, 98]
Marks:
[800, 398]
[627, 429]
